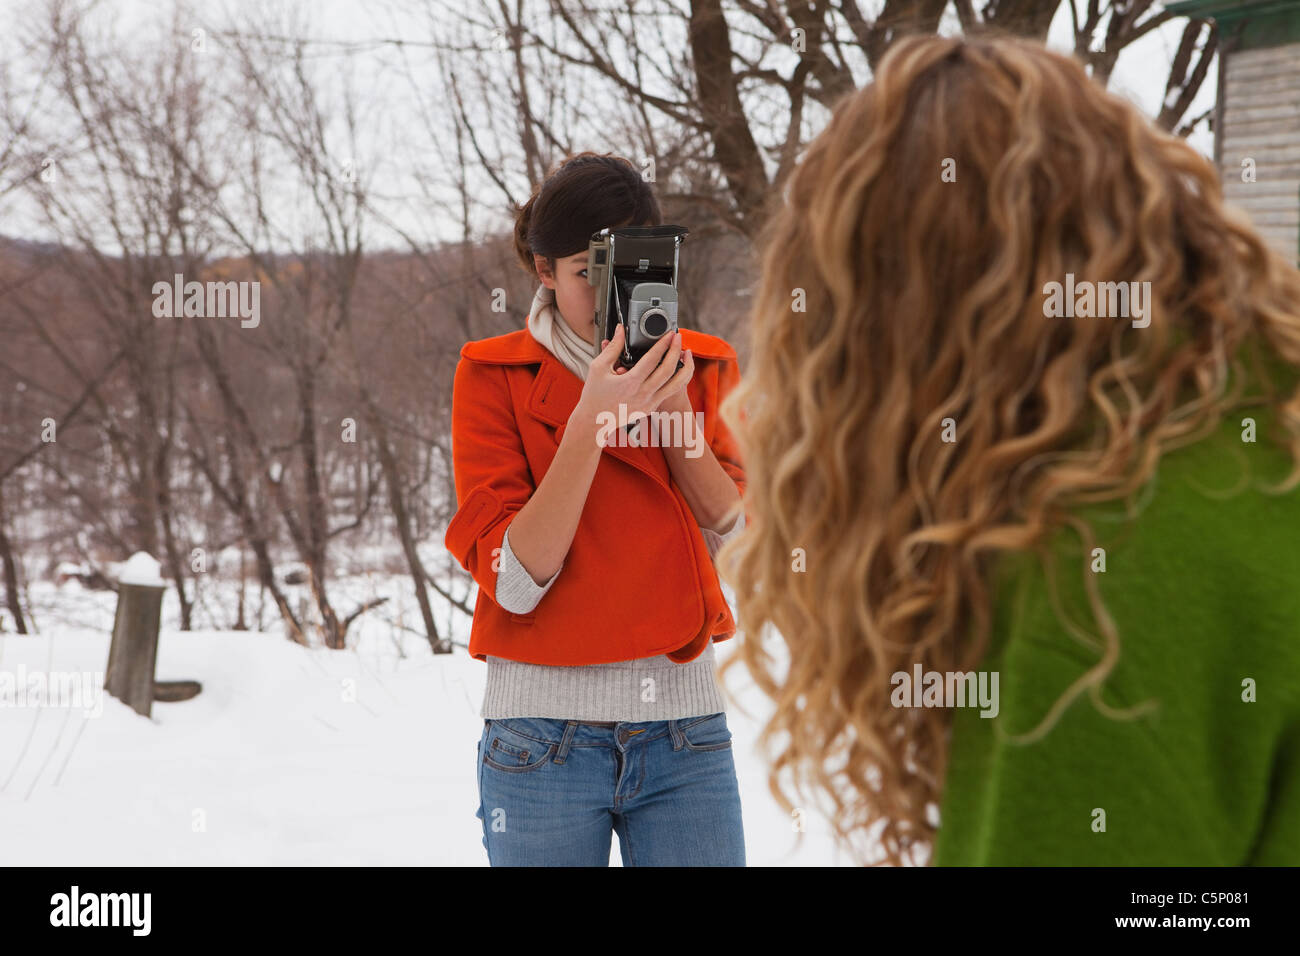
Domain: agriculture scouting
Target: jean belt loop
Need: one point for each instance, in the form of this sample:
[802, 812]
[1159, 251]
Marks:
[675, 734]
[570, 728]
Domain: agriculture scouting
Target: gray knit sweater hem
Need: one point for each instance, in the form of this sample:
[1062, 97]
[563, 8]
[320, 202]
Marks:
[652, 688]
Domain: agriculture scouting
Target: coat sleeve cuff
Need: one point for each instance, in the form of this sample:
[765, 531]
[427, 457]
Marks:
[516, 591]
[715, 540]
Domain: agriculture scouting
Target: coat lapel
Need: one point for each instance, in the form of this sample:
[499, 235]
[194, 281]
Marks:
[554, 396]
[555, 390]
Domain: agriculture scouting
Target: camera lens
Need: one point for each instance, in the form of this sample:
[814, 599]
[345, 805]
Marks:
[654, 322]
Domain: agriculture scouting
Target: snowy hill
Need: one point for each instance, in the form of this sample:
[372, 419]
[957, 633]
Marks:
[289, 756]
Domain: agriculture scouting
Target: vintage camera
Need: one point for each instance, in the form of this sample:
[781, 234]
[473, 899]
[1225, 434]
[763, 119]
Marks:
[651, 314]
[634, 271]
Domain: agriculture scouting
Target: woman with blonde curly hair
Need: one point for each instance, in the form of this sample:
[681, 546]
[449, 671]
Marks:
[1022, 417]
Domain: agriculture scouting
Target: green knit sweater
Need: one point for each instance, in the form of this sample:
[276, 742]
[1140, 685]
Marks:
[1204, 589]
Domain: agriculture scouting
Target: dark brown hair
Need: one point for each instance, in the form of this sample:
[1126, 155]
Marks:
[581, 195]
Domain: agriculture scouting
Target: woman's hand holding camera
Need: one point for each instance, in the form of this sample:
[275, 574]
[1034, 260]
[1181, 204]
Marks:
[655, 380]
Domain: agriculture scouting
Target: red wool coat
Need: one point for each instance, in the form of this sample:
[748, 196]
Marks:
[637, 580]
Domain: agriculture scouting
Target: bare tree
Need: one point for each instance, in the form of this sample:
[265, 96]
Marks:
[117, 198]
[746, 82]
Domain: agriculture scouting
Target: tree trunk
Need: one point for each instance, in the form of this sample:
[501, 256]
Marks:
[10, 571]
[397, 499]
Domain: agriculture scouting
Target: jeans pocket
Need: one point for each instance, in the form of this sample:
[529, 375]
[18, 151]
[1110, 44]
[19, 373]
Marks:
[521, 745]
[707, 733]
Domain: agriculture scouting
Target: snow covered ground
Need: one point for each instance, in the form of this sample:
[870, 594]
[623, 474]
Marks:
[289, 756]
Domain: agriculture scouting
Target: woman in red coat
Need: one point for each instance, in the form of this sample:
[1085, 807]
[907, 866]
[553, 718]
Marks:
[598, 601]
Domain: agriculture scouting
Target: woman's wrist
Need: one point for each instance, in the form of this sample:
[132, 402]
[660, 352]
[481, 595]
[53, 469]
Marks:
[581, 430]
[678, 401]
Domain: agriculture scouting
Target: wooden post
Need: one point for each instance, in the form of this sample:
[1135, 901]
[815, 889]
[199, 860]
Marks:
[133, 652]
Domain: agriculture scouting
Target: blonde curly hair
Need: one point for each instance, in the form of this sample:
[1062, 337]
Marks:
[923, 300]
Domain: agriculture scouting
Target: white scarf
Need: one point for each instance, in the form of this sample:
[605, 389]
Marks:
[554, 334]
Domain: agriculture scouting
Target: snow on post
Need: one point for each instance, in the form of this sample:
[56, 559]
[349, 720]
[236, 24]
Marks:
[142, 570]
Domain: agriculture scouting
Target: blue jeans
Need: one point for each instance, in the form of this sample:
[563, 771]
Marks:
[552, 791]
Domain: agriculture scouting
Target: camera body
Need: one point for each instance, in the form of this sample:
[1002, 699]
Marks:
[634, 272]
[651, 314]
